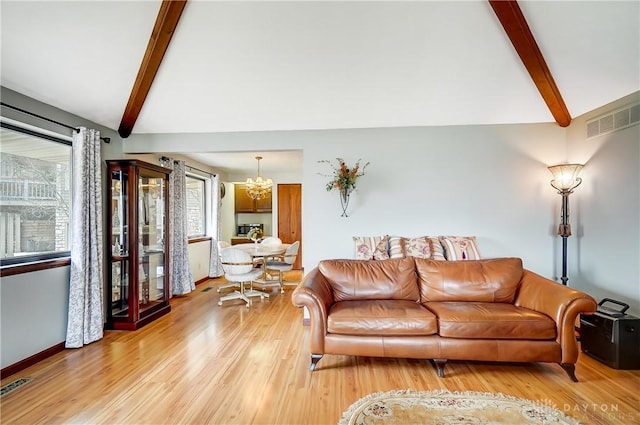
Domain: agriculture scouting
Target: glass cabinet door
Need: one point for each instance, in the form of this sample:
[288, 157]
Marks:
[119, 244]
[151, 243]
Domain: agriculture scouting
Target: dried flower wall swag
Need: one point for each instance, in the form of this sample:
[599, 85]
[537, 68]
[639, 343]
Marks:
[343, 179]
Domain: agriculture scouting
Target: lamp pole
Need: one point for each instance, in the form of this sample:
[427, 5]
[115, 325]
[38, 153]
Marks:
[564, 230]
[565, 180]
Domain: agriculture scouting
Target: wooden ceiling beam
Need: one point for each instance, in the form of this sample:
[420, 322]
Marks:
[518, 31]
[166, 22]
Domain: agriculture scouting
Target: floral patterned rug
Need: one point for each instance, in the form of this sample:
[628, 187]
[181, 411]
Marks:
[442, 407]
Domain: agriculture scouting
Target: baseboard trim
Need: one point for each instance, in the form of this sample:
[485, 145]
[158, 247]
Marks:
[204, 279]
[30, 361]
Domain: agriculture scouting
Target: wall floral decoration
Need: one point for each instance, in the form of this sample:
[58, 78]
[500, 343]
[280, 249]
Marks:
[343, 179]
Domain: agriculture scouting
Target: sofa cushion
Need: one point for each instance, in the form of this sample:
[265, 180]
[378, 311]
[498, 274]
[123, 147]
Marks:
[371, 280]
[491, 280]
[381, 317]
[491, 320]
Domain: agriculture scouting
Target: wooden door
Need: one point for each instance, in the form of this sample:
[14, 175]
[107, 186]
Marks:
[290, 216]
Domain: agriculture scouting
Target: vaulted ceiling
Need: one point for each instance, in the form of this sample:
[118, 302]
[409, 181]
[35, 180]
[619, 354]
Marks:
[259, 66]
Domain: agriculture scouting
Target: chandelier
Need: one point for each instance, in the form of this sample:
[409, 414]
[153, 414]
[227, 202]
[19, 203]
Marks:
[259, 188]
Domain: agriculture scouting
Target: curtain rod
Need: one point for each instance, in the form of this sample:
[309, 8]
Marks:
[197, 169]
[76, 129]
[166, 158]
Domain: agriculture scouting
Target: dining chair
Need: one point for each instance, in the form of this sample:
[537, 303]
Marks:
[239, 268]
[271, 240]
[221, 246]
[284, 264]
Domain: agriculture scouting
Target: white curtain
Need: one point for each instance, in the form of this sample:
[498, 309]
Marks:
[181, 278]
[215, 268]
[86, 317]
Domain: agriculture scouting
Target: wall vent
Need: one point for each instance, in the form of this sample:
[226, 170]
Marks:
[614, 121]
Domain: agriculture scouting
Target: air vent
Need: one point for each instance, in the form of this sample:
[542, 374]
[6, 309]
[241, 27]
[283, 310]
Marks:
[616, 120]
[14, 385]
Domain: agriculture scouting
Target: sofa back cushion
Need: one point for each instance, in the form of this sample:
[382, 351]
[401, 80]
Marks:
[491, 280]
[371, 280]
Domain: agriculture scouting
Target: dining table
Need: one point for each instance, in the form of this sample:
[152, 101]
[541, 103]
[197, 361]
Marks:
[260, 253]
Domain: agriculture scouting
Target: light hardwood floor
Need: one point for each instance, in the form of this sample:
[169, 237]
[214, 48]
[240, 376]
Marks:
[205, 364]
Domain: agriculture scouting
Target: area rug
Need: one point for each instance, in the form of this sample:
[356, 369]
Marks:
[442, 407]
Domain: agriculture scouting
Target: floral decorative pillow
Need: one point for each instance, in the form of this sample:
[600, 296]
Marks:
[372, 247]
[460, 247]
[421, 247]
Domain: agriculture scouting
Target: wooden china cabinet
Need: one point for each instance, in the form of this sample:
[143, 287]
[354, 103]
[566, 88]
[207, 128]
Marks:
[138, 257]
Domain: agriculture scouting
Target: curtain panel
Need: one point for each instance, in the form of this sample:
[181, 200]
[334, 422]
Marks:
[181, 278]
[215, 266]
[86, 316]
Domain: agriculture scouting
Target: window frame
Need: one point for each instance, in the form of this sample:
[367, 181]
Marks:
[26, 263]
[205, 220]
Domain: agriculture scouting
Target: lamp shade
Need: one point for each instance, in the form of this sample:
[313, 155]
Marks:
[565, 176]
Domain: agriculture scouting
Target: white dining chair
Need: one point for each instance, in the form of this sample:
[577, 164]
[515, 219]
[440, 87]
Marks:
[271, 240]
[284, 264]
[221, 246]
[238, 267]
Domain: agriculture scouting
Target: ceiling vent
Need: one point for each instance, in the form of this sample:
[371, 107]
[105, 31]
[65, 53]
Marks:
[613, 121]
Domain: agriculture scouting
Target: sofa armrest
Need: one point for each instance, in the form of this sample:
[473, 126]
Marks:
[314, 293]
[561, 303]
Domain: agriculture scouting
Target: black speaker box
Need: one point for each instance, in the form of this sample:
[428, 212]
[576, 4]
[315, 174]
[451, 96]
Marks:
[611, 337]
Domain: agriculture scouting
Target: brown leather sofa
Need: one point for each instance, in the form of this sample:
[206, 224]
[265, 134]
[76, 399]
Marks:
[482, 310]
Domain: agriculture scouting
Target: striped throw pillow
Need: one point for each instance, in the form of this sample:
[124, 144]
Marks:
[460, 248]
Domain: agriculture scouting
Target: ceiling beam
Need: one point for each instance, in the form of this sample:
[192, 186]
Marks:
[517, 29]
[166, 22]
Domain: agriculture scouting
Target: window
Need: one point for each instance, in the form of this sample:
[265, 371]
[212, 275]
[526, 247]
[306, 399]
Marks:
[195, 206]
[35, 195]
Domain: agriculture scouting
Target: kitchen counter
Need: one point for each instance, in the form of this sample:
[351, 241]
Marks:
[239, 239]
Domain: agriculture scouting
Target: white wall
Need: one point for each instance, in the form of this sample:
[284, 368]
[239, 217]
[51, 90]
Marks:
[488, 181]
[199, 257]
[606, 253]
[34, 313]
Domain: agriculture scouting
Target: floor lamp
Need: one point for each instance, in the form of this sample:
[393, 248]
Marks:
[565, 179]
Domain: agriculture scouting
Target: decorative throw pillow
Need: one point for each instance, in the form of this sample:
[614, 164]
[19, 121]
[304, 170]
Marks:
[460, 247]
[396, 247]
[438, 250]
[421, 247]
[371, 247]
